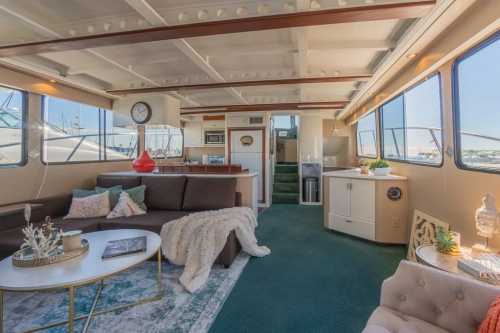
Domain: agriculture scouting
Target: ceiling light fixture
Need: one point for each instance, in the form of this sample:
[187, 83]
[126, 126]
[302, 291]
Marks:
[90, 29]
[107, 26]
[183, 17]
[123, 24]
[241, 11]
[411, 55]
[203, 14]
[289, 6]
[315, 4]
[221, 12]
[52, 81]
[262, 9]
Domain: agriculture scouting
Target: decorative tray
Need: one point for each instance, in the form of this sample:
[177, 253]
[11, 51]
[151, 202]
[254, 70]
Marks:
[24, 257]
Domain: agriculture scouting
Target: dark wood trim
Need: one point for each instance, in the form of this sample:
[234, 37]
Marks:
[412, 9]
[325, 79]
[218, 117]
[263, 129]
[265, 107]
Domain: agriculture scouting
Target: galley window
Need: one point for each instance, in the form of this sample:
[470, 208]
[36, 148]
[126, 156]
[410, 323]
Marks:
[164, 141]
[13, 127]
[412, 125]
[476, 80]
[366, 136]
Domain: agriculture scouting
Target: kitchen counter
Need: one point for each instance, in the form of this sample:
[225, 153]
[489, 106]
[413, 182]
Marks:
[209, 175]
[356, 174]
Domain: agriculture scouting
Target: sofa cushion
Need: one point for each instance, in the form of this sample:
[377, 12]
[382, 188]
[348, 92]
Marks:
[126, 181]
[85, 225]
[164, 192]
[209, 193]
[10, 241]
[152, 221]
[397, 322]
[138, 195]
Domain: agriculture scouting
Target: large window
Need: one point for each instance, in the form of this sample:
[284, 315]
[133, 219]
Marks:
[12, 132]
[75, 132]
[477, 106]
[367, 136]
[164, 141]
[412, 125]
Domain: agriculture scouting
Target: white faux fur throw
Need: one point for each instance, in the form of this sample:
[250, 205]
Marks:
[197, 239]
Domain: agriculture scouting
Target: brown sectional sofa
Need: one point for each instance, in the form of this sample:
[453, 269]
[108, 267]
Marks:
[167, 198]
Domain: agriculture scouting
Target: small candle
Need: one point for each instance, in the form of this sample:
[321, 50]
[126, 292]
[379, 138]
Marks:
[456, 238]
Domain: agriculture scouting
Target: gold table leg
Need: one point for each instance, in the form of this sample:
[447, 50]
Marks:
[94, 305]
[71, 305]
[1, 311]
[71, 309]
[160, 286]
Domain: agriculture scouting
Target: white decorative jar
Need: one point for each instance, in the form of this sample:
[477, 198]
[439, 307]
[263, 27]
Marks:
[382, 171]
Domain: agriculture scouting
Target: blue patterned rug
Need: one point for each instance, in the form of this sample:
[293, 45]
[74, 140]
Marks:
[178, 311]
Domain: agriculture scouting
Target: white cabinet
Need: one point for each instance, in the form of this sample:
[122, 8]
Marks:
[352, 204]
[370, 207]
[214, 124]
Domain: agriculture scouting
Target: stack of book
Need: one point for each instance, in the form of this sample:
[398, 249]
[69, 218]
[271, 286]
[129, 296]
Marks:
[485, 267]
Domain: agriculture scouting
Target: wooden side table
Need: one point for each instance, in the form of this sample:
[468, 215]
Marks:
[428, 255]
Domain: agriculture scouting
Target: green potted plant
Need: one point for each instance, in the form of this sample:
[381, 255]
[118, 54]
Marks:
[380, 168]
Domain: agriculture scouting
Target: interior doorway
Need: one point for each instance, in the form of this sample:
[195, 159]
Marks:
[285, 130]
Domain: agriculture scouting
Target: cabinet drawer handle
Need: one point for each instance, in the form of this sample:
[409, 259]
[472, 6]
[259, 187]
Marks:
[348, 221]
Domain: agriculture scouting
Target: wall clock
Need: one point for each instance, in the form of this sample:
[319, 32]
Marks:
[394, 193]
[246, 140]
[141, 112]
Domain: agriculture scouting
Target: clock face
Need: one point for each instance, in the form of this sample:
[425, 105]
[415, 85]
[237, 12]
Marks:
[141, 112]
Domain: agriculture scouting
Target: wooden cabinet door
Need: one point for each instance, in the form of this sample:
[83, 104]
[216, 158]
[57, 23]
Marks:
[339, 196]
[362, 201]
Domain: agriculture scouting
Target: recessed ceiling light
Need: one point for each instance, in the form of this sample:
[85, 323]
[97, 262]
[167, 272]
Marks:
[90, 29]
[289, 6]
[183, 17]
[52, 81]
[203, 14]
[241, 11]
[262, 9]
[221, 12]
[315, 4]
[411, 55]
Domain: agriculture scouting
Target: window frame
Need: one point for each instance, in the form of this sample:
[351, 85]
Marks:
[402, 94]
[377, 136]
[170, 157]
[456, 105]
[102, 138]
[24, 131]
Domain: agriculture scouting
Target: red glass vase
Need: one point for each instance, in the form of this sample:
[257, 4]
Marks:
[144, 163]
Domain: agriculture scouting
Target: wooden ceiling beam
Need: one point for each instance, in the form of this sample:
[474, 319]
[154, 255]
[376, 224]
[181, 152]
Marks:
[323, 79]
[405, 10]
[334, 105]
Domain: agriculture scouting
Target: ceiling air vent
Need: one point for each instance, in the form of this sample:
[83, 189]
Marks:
[256, 120]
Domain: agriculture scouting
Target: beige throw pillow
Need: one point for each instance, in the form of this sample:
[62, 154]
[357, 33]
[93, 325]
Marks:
[125, 207]
[96, 205]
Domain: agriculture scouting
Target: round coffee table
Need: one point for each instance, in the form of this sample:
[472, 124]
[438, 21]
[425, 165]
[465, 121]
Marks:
[89, 268]
[430, 256]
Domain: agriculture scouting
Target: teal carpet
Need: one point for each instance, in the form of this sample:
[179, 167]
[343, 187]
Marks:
[314, 280]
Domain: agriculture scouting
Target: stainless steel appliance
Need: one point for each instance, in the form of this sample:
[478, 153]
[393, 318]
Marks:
[215, 137]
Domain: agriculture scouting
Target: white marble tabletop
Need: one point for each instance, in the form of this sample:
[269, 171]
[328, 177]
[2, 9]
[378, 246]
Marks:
[356, 174]
[88, 268]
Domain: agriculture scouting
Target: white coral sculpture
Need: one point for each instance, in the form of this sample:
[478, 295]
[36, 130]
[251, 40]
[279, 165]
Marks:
[40, 242]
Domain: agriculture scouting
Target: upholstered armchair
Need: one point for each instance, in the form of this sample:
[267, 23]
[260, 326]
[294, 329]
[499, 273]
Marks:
[421, 299]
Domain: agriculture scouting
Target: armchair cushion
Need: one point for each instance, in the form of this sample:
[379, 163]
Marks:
[449, 301]
[396, 322]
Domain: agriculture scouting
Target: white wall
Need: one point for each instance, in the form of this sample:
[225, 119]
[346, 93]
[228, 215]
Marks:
[166, 109]
[311, 138]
